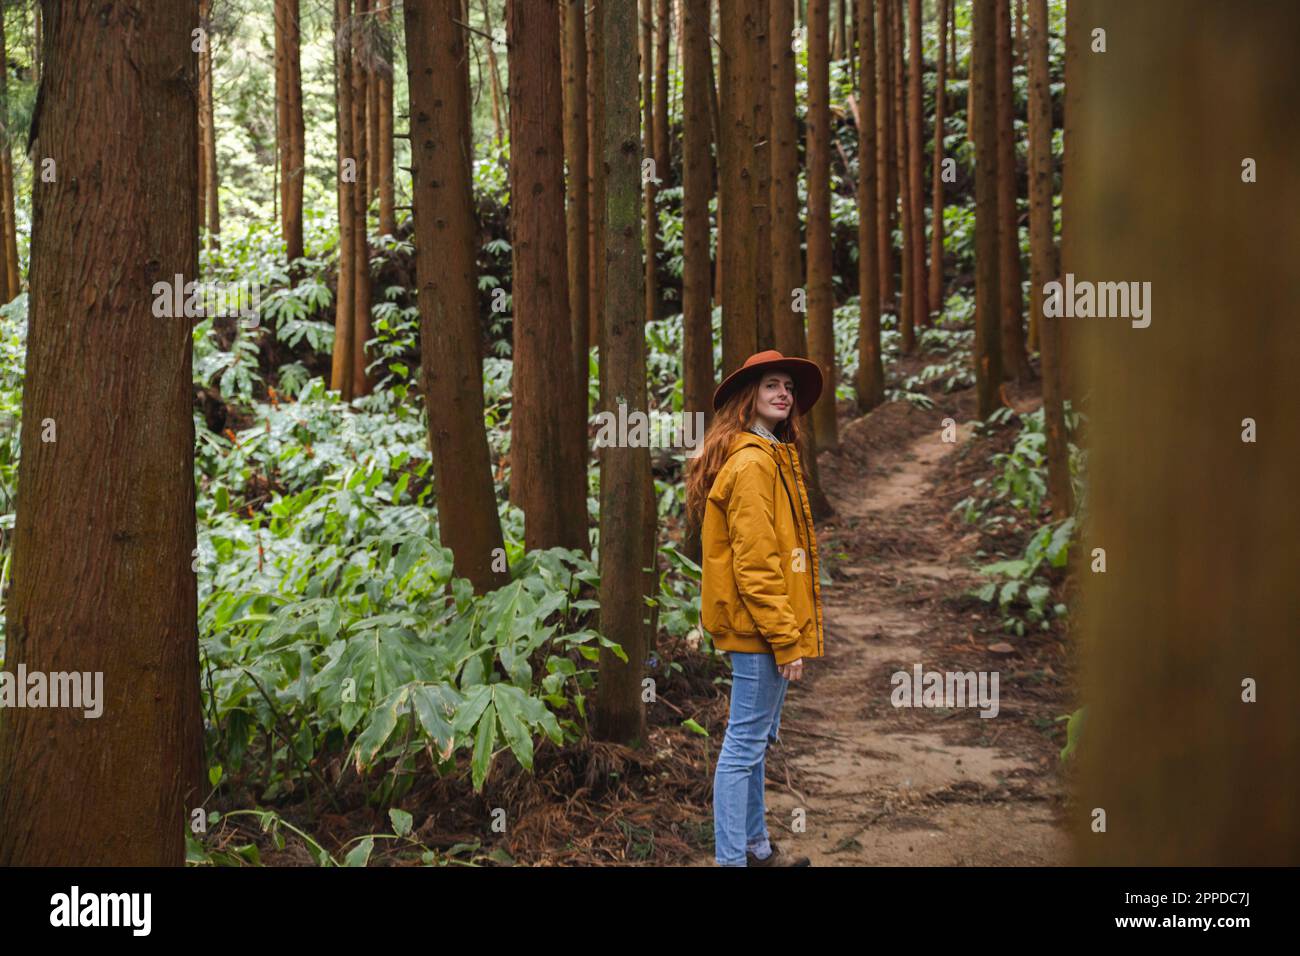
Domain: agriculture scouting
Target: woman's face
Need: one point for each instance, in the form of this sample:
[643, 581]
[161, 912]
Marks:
[775, 399]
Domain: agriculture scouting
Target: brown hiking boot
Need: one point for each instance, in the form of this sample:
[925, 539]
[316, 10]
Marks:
[776, 858]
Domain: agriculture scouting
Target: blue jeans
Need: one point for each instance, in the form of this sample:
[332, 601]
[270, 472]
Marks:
[757, 693]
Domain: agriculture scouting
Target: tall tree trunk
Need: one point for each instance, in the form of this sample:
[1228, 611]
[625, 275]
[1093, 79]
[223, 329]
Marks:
[387, 207]
[1042, 258]
[344, 305]
[988, 346]
[494, 76]
[446, 238]
[821, 299]
[663, 33]
[576, 155]
[212, 184]
[205, 7]
[952, 39]
[619, 714]
[838, 41]
[374, 66]
[651, 284]
[886, 194]
[1076, 46]
[916, 166]
[790, 337]
[936, 302]
[548, 459]
[761, 250]
[290, 124]
[871, 373]
[1199, 605]
[361, 383]
[902, 145]
[715, 118]
[596, 170]
[1015, 363]
[742, 70]
[697, 187]
[104, 539]
[10, 281]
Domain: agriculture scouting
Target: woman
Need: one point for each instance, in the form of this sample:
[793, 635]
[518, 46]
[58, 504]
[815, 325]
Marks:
[761, 598]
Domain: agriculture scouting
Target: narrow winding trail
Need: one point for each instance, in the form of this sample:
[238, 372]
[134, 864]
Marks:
[857, 781]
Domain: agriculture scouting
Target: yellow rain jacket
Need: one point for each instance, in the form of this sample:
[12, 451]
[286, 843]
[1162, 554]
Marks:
[761, 590]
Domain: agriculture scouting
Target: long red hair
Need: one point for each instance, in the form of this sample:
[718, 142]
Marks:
[730, 420]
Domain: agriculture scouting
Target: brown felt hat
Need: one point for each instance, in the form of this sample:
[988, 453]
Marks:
[807, 378]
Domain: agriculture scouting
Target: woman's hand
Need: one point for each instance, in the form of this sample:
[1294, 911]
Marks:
[793, 670]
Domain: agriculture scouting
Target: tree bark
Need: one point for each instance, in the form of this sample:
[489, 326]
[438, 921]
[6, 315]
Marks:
[1200, 528]
[988, 346]
[871, 373]
[619, 714]
[902, 148]
[651, 284]
[213, 182]
[10, 280]
[936, 300]
[548, 460]
[494, 76]
[387, 207]
[1015, 362]
[742, 70]
[290, 124]
[596, 169]
[697, 187]
[916, 167]
[446, 234]
[361, 383]
[104, 539]
[886, 193]
[821, 299]
[1042, 259]
[576, 155]
[344, 305]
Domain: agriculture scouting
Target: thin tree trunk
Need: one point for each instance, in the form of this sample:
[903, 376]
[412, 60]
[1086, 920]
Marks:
[651, 284]
[1191, 745]
[387, 210]
[576, 154]
[742, 70]
[1015, 362]
[446, 233]
[886, 195]
[916, 167]
[360, 204]
[715, 118]
[210, 142]
[761, 250]
[663, 33]
[936, 301]
[494, 77]
[871, 373]
[902, 144]
[547, 455]
[821, 301]
[374, 67]
[1076, 40]
[988, 346]
[1042, 258]
[596, 169]
[619, 713]
[290, 126]
[344, 306]
[697, 187]
[10, 281]
[104, 541]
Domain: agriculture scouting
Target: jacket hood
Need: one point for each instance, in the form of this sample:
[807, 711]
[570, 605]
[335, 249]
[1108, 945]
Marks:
[747, 439]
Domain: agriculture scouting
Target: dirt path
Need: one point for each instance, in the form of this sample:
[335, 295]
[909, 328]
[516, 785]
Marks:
[879, 785]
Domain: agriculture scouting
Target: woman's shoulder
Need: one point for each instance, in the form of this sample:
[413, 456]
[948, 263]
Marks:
[742, 461]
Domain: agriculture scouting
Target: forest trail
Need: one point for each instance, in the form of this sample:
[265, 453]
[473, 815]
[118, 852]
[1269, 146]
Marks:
[885, 786]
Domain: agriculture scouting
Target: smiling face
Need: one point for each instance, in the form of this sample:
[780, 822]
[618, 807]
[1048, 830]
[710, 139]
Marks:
[774, 399]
